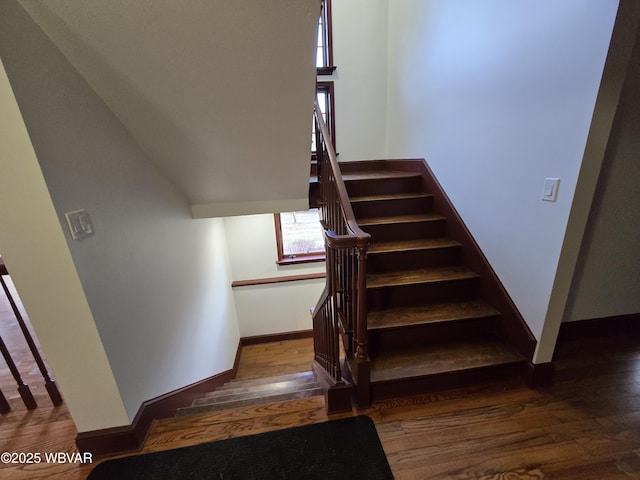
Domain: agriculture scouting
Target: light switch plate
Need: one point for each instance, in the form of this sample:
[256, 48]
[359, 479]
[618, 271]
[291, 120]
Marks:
[550, 190]
[79, 224]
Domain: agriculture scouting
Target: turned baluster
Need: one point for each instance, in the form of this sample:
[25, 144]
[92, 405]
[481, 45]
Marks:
[23, 388]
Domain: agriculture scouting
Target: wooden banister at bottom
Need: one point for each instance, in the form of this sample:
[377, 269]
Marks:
[341, 313]
[50, 385]
[4, 405]
[23, 389]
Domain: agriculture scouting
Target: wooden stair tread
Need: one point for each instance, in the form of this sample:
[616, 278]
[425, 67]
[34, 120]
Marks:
[419, 275]
[260, 388]
[256, 391]
[376, 175]
[424, 217]
[245, 402]
[267, 380]
[438, 359]
[239, 414]
[230, 396]
[429, 313]
[418, 244]
[390, 196]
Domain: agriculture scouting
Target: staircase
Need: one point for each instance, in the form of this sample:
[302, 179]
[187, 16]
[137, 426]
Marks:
[437, 317]
[410, 304]
[430, 321]
[258, 391]
[436, 314]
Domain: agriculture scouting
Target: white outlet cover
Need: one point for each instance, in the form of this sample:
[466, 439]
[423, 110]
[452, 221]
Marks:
[79, 224]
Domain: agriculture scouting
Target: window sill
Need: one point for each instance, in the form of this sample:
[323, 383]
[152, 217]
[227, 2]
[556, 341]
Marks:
[301, 259]
[325, 70]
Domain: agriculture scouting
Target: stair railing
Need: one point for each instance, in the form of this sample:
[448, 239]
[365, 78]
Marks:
[23, 389]
[342, 308]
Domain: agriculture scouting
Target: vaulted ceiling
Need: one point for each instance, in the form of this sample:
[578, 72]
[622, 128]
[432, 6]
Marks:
[219, 93]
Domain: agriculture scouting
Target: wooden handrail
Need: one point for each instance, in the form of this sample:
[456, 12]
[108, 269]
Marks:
[361, 237]
[341, 311]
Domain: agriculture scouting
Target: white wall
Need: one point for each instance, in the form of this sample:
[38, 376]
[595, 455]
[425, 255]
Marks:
[360, 81]
[193, 83]
[608, 272]
[275, 307]
[157, 282]
[498, 95]
[41, 267]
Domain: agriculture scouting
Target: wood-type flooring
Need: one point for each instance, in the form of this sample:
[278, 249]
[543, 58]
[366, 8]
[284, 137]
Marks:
[586, 425]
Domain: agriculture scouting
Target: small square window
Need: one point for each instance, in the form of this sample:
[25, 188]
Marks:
[299, 236]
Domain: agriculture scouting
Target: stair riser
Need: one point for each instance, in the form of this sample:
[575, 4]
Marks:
[381, 208]
[405, 295]
[405, 231]
[446, 381]
[364, 165]
[383, 186]
[430, 334]
[406, 259]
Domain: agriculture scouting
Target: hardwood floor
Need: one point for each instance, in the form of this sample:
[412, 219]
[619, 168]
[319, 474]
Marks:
[584, 426]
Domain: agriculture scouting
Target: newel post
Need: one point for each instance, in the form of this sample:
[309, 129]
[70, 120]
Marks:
[363, 373]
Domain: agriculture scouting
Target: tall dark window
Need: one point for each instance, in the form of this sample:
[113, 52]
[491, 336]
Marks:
[324, 94]
[324, 48]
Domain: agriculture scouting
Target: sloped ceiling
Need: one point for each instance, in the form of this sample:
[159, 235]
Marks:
[219, 93]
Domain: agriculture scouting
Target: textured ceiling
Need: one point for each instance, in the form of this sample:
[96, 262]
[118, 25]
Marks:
[218, 92]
